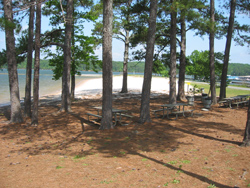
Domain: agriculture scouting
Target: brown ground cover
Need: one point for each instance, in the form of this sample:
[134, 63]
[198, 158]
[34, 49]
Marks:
[200, 151]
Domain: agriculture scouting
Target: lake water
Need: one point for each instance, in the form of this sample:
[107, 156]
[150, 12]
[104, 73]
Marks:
[47, 85]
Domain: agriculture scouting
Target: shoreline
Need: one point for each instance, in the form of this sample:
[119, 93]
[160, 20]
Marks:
[92, 88]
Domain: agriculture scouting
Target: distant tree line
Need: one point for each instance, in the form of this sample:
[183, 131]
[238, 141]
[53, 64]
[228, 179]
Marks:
[236, 69]
[117, 66]
[239, 69]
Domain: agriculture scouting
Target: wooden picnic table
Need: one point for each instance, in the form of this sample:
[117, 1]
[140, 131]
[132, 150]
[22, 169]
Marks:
[240, 99]
[169, 108]
[117, 113]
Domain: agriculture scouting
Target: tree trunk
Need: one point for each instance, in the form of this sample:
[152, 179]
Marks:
[73, 66]
[16, 113]
[66, 101]
[27, 100]
[211, 54]
[246, 140]
[125, 64]
[126, 54]
[145, 100]
[172, 93]
[106, 122]
[36, 66]
[227, 51]
[181, 85]
[73, 85]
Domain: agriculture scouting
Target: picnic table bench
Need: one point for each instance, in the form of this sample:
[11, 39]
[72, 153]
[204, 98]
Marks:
[174, 109]
[223, 103]
[95, 115]
[240, 102]
[117, 113]
[237, 100]
[158, 110]
[176, 113]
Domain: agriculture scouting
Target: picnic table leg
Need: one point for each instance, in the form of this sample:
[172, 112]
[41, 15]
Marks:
[183, 112]
[115, 119]
[168, 113]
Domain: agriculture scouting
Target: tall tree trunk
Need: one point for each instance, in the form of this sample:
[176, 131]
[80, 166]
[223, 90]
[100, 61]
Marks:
[227, 51]
[73, 85]
[125, 64]
[145, 99]
[73, 67]
[16, 113]
[66, 101]
[36, 66]
[181, 85]
[27, 100]
[106, 122]
[126, 54]
[211, 54]
[246, 140]
[172, 94]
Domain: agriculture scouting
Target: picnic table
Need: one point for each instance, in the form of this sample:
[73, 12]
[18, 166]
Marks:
[174, 109]
[237, 100]
[117, 113]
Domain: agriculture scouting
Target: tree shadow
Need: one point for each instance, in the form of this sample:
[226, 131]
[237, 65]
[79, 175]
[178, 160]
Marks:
[64, 128]
[197, 176]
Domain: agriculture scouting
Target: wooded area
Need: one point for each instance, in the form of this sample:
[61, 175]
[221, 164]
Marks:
[235, 69]
[160, 27]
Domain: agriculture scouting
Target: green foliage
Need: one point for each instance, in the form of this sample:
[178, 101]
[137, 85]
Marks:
[59, 167]
[50, 64]
[199, 65]
[211, 186]
[238, 69]
[3, 59]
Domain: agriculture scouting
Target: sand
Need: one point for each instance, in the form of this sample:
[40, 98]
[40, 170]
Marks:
[93, 87]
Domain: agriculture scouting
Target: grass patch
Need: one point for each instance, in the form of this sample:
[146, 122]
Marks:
[230, 92]
[106, 181]
[211, 186]
[79, 157]
[186, 161]
[175, 181]
[166, 184]
[122, 152]
[179, 171]
[172, 162]
[209, 169]
[59, 167]
[227, 150]
[231, 169]
[89, 141]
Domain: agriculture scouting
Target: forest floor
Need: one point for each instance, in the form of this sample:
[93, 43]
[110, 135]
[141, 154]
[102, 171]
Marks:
[201, 151]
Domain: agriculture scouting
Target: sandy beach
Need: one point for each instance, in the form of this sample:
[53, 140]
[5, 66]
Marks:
[93, 87]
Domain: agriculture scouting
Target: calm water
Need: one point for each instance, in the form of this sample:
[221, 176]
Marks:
[47, 85]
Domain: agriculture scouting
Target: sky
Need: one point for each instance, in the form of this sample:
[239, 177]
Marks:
[238, 54]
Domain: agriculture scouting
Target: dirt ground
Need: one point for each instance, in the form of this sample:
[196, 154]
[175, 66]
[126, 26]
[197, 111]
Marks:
[201, 151]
